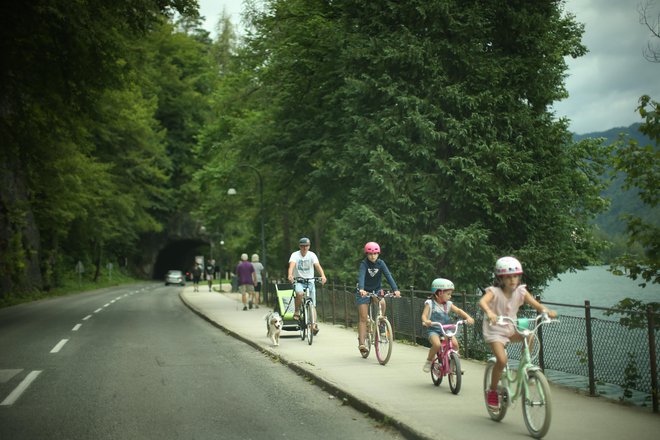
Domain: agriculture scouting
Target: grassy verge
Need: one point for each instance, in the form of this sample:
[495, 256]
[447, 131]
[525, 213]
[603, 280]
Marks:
[70, 285]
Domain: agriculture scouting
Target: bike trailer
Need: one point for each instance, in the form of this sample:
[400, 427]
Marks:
[286, 305]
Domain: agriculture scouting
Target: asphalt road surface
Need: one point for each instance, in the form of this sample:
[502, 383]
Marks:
[135, 363]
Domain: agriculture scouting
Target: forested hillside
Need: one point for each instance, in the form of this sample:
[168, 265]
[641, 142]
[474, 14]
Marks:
[623, 202]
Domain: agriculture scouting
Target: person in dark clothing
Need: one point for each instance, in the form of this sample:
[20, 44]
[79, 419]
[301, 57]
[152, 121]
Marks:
[197, 275]
[210, 273]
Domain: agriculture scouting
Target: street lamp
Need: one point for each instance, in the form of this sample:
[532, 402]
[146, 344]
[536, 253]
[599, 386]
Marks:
[232, 192]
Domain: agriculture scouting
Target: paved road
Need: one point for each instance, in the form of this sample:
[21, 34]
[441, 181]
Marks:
[401, 392]
[135, 363]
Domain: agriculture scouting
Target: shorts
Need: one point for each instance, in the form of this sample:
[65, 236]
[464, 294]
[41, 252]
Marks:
[258, 287]
[246, 288]
[359, 299]
[298, 288]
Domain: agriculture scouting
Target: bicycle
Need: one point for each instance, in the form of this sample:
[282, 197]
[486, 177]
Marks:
[306, 315]
[382, 345]
[447, 361]
[529, 381]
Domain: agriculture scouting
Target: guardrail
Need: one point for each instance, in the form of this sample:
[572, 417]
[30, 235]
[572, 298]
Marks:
[602, 350]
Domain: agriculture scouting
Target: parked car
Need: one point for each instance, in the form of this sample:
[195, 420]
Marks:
[174, 277]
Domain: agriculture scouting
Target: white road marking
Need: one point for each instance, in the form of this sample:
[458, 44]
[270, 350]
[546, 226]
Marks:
[87, 317]
[76, 327]
[14, 395]
[59, 346]
[98, 310]
[106, 305]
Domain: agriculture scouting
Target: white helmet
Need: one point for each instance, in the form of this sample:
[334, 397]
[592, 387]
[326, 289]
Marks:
[441, 284]
[508, 266]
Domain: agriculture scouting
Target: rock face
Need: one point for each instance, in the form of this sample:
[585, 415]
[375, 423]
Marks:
[19, 236]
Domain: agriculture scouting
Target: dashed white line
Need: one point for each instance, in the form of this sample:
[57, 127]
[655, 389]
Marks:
[14, 395]
[76, 327]
[98, 310]
[87, 317]
[59, 346]
[106, 305]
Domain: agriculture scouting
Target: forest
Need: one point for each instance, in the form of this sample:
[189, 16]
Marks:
[423, 125]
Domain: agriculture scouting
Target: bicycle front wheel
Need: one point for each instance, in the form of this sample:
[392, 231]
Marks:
[496, 414]
[537, 410]
[309, 317]
[302, 323]
[455, 375]
[436, 370]
[383, 341]
[367, 340]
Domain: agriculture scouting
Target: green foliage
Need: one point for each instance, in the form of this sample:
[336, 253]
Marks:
[423, 126]
[84, 161]
[631, 376]
[640, 167]
[635, 313]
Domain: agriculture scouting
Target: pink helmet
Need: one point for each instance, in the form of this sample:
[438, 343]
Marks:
[371, 248]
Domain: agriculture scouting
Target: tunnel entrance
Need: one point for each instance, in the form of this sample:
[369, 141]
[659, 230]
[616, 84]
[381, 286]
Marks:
[179, 255]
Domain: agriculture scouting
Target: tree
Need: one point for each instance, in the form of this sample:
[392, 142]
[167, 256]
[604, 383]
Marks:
[640, 166]
[59, 60]
[425, 126]
[652, 51]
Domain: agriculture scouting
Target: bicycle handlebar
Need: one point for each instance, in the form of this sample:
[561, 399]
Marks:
[385, 294]
[523, 323]
[307, 280]
[445, 327]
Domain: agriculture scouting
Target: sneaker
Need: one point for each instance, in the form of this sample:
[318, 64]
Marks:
[250, 303]
[256, 306]
[383, 330]
[427, 367]
[244, 308]
[492, 399]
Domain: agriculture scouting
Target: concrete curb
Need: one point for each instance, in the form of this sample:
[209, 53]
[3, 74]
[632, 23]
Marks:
[347, 398]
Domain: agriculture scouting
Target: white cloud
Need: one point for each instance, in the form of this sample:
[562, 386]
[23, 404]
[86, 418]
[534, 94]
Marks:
[605, 85]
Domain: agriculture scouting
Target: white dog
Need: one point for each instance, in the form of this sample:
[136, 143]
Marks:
[274, 327]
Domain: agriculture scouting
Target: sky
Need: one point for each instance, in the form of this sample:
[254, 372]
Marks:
[604, 86]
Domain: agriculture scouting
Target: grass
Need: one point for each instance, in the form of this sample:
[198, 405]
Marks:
[70, 285]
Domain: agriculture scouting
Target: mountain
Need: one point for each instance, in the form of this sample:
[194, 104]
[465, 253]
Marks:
[622, 201]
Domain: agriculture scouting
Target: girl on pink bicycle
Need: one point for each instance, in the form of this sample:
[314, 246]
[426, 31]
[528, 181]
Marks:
[437, 309]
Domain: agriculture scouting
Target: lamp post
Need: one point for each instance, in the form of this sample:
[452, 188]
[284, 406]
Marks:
[232, 192]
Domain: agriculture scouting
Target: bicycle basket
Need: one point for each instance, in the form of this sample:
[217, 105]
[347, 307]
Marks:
[524, 323]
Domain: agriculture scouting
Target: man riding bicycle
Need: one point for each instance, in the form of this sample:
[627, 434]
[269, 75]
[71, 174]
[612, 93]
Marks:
[301, 265]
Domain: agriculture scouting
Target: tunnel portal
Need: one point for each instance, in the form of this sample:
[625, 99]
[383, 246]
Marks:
[179, 255]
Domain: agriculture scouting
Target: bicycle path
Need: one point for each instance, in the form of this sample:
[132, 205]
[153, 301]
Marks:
[403, 394]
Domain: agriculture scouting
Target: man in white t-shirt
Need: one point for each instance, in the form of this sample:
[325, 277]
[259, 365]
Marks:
[301, 265]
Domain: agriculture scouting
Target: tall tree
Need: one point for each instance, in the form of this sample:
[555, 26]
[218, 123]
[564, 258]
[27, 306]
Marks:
[59, 57]
[426, 126]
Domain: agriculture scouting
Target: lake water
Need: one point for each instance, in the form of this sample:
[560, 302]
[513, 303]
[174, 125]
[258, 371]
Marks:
[611, 355]
[600, 287]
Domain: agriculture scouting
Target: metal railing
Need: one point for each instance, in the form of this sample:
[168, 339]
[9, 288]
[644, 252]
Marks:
[602, 350]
